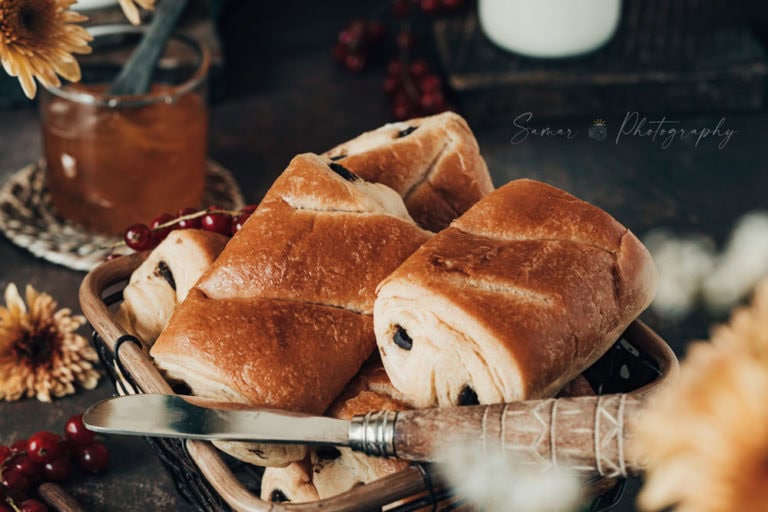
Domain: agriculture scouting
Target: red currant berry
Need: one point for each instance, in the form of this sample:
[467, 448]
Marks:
[452, 5]
[239, 221]
[394, 68]
[356, 30]
[430, 83]
[66, 448]
[57, 470]
[432, 101]
[217, 222]
[339, 52]
[93, 458]
[429, 7]
[418, 68]
[138, 237]
[401, 8]
[390, 85]
[189, 223]
[374, 31]
[27, 467]
[75, 430]
[249, 208]
[19, 446]
[403, 111]
[5, 452]
[16, 483]
[160, 233]
[32, 506]
[355, 62]
[346, 37]
[43, 446]
[5, 508]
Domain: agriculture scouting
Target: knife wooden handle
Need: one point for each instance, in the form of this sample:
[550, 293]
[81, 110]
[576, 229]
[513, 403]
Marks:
[585, 434]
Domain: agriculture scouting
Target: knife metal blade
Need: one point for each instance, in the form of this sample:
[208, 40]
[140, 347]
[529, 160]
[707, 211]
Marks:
[198, 418]
[192, 417]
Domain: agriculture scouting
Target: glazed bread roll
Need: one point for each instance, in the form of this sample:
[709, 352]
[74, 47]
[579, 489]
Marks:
[163, 281]
[292, 483]
[283, 317]
[519, 296]
[433, 163]
[337, 470]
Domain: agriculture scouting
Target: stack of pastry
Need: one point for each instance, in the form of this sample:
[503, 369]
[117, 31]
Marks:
[520, 291]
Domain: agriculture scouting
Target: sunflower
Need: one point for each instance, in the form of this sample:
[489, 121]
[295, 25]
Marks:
[705, 438]
[37, 40]
[131, 9]
[41, 355]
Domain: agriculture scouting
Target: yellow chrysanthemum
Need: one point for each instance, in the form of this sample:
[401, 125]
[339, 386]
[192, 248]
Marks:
[705, 438]
[131, 9]
[41, 355]
[38, 39]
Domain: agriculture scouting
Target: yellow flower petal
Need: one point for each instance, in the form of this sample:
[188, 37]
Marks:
[37, 51]
[41, 355]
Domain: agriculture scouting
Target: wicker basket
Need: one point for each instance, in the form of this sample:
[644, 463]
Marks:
[637, 363]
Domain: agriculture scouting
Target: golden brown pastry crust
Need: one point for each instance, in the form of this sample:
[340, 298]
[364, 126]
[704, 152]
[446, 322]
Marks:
[282, 318]
[153, 292]
[436, 167]
[274, 353]
[516, 298]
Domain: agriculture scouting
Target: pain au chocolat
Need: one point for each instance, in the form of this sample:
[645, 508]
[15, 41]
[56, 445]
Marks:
[516, 298]
[164, 280]
[282, 318]
[433, 163]
[330, 471]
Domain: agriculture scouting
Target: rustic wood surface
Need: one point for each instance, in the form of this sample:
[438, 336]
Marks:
[286, 97]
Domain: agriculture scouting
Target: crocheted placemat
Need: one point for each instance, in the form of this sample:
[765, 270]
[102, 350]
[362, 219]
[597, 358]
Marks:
[28, 219]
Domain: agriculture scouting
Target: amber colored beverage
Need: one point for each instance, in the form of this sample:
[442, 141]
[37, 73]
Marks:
[112, 166]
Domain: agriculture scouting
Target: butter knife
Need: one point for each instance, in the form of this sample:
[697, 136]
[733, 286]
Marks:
[585, 434]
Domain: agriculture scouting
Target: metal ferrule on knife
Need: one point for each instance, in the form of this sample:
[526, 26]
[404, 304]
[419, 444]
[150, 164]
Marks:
[374, 433]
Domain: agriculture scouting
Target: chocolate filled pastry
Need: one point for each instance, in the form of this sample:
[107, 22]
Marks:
[283, 317]
[164, 280]
[291, 484]
[433, 163]
[521, 294]
[338, 469]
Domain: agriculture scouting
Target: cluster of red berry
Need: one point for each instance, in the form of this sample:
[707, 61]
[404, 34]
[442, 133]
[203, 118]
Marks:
[415, 90]
[142, 237]
[403, 8]
[47, 457]
[356, 43]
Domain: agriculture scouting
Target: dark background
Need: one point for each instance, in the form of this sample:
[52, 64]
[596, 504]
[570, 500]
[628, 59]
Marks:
[280, 95]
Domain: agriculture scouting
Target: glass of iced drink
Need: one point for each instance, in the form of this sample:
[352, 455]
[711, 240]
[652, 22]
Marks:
[116, 160]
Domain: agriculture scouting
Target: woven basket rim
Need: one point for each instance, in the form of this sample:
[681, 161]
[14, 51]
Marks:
[136, 363]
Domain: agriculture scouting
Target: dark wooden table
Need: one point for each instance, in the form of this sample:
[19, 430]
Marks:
[287, 98]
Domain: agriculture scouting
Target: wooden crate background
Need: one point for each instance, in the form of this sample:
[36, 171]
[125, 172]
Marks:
[667, 56]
